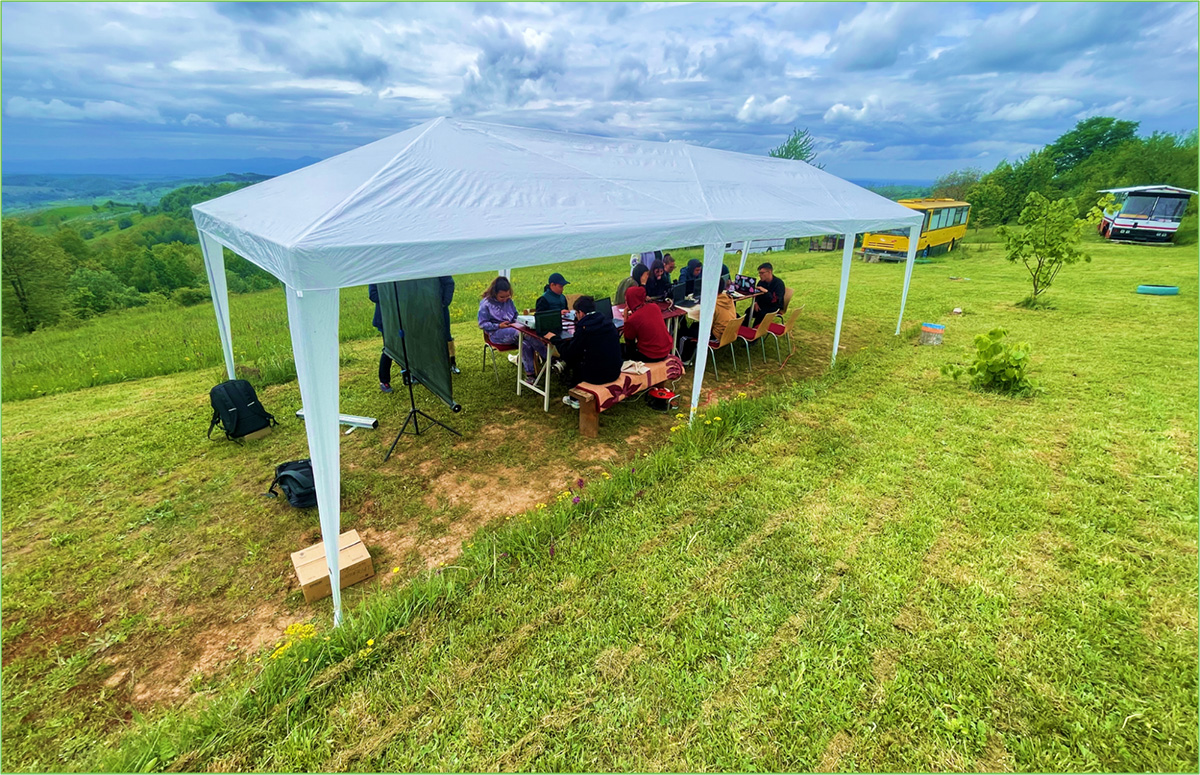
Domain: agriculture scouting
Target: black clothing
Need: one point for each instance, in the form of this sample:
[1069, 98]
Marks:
[549, 301]
[770, 302]
[594, 353]
[658, 288]
[385, 369]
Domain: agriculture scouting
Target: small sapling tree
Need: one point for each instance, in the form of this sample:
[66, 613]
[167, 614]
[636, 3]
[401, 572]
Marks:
[1049, 240]
[999, 366]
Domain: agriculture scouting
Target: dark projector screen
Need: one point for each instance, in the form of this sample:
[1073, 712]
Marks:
[415, 307]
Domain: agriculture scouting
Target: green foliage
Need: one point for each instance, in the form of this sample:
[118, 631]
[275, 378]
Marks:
[956, 184]
[1090, 136]
[96, 291]
[124, 223]
[1049, 240]
[34, 271]
[999, 366]
[799, 146]
[190, 297]
[179, 202]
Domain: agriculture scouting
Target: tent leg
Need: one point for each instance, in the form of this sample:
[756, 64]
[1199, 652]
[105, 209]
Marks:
[847, 254]
[713, 255]
[745, 253]
[313, 320]
[914, 234]
[214, 267]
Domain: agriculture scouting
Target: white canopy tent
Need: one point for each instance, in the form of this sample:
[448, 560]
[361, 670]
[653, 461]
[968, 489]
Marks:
[452, 196]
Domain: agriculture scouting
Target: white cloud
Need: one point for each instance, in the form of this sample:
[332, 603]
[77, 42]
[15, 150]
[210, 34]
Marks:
[102, 110]
[779, 111]
[193, 119]
[872, 109]
[242, 121]
[1037, 107]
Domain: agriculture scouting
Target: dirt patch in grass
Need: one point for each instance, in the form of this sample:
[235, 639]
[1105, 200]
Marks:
[838, 745]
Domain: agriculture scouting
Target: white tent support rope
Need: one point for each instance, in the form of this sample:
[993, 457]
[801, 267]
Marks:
[914, 234]
[709, 278]
[313, 320]
[847, 257]
[214, 266]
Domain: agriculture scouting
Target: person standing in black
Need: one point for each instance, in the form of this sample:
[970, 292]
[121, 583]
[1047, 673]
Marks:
[447, 283]
[772, 299]
[593, 354]
[385, 363]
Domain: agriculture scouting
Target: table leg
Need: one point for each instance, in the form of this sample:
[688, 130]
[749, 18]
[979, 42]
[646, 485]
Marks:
[549, 368]
[520, 359]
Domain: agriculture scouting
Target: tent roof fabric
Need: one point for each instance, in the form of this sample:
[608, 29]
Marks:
[1147, 190]
[455, 196]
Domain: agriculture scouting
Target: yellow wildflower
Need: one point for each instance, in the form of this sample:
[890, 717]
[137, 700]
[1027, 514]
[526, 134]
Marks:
[370, 641]
[741, 395]
[716, 419]
[304, 660]
[708, 422]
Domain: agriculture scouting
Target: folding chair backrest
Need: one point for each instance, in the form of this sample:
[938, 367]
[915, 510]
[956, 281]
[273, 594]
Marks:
[791, 321]
[730, 334]
[787, 299]
[764, 327]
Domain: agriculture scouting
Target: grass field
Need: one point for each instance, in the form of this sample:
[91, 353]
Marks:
[870, 568]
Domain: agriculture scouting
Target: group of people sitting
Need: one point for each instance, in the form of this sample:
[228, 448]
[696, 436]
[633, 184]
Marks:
[594, 353]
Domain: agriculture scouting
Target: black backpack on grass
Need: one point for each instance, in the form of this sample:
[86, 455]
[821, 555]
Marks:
[237, 410]
[296, 480]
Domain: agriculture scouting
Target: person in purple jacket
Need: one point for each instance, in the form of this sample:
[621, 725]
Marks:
[497, 313]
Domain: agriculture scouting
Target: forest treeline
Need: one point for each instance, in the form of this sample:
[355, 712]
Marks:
[1099, 152]
[65, 265]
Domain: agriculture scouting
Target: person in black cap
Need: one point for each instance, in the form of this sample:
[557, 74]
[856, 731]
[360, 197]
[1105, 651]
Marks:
[553, 298]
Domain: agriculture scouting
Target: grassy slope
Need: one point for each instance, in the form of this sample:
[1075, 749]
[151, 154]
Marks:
[892, 572]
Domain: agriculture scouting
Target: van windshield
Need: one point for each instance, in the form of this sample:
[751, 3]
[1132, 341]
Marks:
[1170, 208]
[1138, 206]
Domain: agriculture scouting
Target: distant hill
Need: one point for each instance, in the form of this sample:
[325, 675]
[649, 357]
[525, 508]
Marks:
[162, 168]
[24, 192]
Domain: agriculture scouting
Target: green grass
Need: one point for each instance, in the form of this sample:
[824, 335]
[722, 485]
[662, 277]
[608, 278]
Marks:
[870, 568]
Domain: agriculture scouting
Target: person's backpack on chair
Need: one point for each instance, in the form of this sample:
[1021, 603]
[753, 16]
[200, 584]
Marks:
[237, 410]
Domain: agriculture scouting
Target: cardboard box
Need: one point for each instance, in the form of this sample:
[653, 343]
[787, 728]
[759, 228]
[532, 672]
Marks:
[354, 565]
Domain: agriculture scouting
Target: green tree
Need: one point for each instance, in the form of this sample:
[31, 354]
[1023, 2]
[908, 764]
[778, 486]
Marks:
[1049, 240]
[956, 184]
[1091, 135]
[94, 292]
[799, 146]
[33, 273]
[73, 245]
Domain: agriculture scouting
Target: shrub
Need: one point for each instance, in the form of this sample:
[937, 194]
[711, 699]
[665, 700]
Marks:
[190, 297]
[999, 366]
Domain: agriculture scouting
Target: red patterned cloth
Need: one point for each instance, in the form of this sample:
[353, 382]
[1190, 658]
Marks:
[628, 384]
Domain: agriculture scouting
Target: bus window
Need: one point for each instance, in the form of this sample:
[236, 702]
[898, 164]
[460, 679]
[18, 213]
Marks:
[1138, 206]
[1169, 208]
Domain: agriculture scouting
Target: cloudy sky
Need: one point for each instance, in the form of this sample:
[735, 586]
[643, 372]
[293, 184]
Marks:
[891, 91]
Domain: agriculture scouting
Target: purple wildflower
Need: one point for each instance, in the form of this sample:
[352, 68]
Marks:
[579, 483]
[575, 499]
[551, 550]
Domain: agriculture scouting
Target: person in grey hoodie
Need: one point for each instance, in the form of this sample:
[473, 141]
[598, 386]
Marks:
[497, 313]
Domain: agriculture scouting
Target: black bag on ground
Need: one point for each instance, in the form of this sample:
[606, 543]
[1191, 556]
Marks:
[295, 478]
[237, 410]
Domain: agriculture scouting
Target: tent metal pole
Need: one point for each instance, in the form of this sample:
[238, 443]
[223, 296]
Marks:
[745, 252]
[714, 254]
[847, 255]
[914, 235]
[313, 323]
[214, 267]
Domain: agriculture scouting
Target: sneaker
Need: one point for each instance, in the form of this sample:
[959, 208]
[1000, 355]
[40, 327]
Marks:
[560, 366]
[385, 387]
[454, 369]
[512, 357]
[571, 402]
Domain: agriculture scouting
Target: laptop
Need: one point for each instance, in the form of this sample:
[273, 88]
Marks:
[604, 307]
[744, 283]
[679, 295]
[548, 322]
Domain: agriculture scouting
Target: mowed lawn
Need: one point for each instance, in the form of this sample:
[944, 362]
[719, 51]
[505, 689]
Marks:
[874, 568]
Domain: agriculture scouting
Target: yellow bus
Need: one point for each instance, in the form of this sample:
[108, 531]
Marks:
[945, 225]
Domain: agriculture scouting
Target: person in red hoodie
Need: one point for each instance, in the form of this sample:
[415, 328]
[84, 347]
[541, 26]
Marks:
[645, 330]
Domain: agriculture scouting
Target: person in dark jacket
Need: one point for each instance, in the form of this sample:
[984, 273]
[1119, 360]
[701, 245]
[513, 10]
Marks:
[637, 276]
[691, 276]
[646, 335]
[668, 267]
[385, 363]
[553, 298]
[594, 353]
[447, 299]
[772, 299]
[658, 285]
